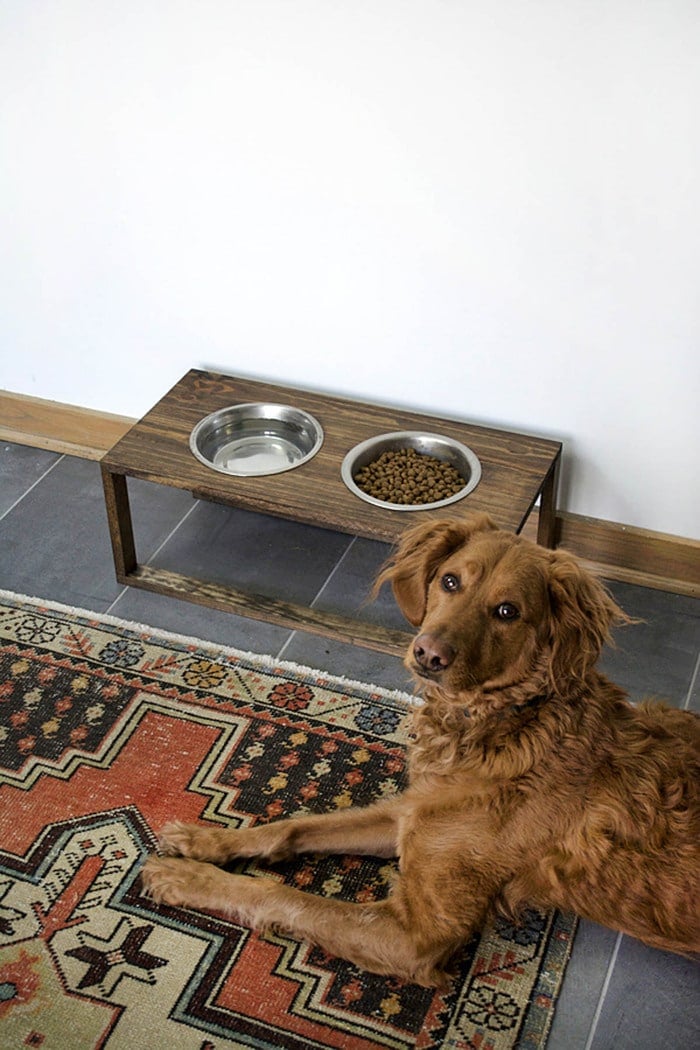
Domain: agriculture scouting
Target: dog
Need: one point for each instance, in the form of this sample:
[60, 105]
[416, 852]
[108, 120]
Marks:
[533, 781]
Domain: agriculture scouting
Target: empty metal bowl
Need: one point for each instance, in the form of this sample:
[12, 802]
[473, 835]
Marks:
[256, 439]
[462, 458]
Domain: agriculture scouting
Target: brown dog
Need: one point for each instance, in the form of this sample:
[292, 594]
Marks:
[533, 781]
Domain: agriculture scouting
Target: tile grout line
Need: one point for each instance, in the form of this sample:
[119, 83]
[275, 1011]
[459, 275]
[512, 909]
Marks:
[156, 552]
[693, 680]
[603, 993]
[333, 571]
[31, 488]
[285, 644]
[318, 594]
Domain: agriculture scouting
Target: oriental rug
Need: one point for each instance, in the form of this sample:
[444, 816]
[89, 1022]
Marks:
[107, 730]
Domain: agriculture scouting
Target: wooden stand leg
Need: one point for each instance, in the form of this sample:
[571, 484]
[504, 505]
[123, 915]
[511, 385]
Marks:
[121, 530]
[546, 529]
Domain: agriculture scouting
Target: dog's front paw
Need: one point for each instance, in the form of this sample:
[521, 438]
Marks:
[194, 841]
[179, 840]
[173, 880]
[192, 884]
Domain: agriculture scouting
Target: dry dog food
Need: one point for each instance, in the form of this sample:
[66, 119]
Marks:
[409, 477]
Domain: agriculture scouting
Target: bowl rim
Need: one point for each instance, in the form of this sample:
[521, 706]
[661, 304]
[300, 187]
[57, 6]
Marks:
[272, 408]
[364, 446]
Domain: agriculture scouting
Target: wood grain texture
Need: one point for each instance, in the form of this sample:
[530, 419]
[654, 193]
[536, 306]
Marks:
[271, 610]
[633, 555]
[515, 467]
[121, 529]
[515, 470]
[59, 428]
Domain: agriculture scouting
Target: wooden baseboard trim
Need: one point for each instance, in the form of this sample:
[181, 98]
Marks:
[632, 555]
[614, 551]
[60, 428]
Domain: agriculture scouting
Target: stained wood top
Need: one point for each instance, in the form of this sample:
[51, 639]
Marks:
[514, 466]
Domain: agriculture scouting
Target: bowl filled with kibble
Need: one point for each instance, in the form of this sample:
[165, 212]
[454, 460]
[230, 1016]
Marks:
[411, 470]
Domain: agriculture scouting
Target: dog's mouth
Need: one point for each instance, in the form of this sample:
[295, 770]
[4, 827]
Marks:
[421, 672]
[437, 676]
[454, 678]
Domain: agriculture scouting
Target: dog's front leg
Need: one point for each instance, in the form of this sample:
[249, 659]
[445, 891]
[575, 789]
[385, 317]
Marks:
[380, 937]
[370, 830]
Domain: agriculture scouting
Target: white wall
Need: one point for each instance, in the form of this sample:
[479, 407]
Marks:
[483, 208]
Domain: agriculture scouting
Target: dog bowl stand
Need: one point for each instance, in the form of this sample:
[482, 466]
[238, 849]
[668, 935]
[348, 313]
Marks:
[516, 471]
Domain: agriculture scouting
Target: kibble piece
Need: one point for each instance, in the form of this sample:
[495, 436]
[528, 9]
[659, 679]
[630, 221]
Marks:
[408, 477]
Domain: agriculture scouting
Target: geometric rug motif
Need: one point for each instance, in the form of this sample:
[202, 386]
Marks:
[108, 730]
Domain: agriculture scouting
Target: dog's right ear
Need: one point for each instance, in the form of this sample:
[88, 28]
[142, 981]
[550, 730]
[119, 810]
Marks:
[582, 614]
[421, 549]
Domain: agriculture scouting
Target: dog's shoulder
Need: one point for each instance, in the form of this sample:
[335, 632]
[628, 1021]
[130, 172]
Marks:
[676, 722]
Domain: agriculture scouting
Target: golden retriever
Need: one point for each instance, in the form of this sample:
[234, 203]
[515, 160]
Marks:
[533, 781]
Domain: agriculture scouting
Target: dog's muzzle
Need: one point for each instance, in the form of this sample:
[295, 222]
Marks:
[432, 655]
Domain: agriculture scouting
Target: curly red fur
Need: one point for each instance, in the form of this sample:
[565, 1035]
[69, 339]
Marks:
[533, 781]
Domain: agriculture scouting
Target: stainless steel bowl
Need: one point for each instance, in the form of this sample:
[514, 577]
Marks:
[460, 456]
[256, 439]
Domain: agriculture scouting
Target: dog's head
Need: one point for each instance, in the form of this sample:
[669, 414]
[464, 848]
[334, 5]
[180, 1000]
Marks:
[501, 619]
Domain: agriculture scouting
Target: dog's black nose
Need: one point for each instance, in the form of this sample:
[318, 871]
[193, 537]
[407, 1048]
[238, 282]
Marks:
[432, 654]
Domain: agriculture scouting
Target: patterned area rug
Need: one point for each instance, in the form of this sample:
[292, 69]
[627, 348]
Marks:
[106, 731]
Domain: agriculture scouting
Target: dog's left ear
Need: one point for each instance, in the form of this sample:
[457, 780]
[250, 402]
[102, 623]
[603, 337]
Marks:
[420, 551]
[582, 615]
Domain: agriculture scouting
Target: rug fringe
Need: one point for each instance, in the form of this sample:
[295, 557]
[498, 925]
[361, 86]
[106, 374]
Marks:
[228, 651]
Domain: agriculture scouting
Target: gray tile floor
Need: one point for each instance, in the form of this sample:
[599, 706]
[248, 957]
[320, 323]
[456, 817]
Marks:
[54, 544]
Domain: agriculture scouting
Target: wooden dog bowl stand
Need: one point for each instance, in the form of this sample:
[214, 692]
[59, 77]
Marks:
[516, 470]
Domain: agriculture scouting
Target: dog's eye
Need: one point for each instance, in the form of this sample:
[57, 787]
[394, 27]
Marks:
[449, 582]
[506, 611]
